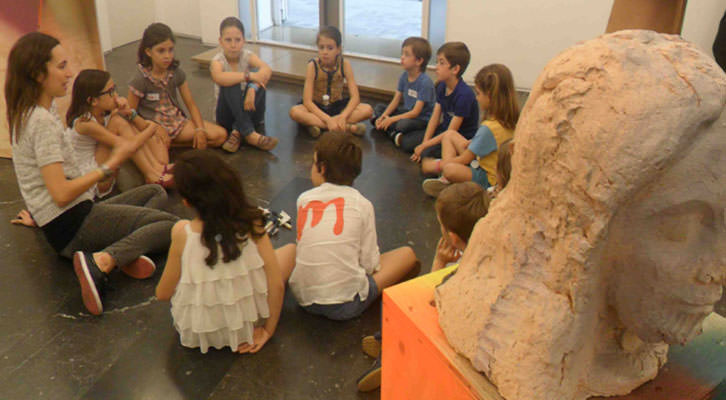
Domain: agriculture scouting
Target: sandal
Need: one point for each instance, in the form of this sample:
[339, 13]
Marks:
[232, 143]
[169, 182]
[266, 143]
[360, 129]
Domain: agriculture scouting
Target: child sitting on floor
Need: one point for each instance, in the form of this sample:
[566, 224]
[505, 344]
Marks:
[153, 92]
[455, 103]
[497, 98]
[458, 208]
[240, 94]
[98, 119]
[416, 90]
[222, 274]
[338, 269]
[325, 105]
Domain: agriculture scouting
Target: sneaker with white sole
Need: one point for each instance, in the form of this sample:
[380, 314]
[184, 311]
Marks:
[141, 268]
[434, 186]
[397, 139]
[92, 281]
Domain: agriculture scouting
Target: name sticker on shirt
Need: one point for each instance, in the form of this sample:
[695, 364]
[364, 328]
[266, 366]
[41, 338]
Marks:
[412, 93]
[152, 96]
[451, 114]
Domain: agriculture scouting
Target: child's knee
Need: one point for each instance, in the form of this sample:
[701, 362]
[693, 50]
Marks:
[448, 171]
[366, 109]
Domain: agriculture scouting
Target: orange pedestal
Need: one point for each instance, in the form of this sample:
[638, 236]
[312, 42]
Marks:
[419, 364]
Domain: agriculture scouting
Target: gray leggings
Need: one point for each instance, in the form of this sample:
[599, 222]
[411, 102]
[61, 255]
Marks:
[125, 226]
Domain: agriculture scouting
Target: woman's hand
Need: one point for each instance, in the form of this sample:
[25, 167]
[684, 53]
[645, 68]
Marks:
[24, 218]
[416, 156]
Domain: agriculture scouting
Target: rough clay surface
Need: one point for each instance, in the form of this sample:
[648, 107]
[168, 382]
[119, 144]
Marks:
[610, 241]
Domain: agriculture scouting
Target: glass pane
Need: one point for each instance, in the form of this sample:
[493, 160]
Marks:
[290, 21]
[378, 27]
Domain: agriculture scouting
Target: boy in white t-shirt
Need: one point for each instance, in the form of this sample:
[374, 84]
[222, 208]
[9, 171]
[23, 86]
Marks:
[338, 270]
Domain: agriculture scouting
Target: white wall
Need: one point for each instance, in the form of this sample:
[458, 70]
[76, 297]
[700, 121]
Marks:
[127, 19]
[525, 34]
[211, 13]
[701, 22]
[104, 29]
[182, 16]
[522, 34]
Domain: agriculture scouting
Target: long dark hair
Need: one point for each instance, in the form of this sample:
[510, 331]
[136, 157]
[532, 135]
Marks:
[27, 63]
[88, 84]
[215, 192]
[153, 35]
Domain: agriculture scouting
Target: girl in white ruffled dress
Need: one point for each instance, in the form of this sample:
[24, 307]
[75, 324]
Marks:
[221, 274]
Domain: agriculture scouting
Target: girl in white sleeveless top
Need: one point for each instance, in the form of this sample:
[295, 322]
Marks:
[222, 275]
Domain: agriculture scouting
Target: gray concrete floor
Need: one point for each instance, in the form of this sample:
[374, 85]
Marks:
[50, 348]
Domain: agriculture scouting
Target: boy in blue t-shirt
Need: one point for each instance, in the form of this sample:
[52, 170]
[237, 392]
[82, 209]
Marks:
[414, 87]
[455, 102]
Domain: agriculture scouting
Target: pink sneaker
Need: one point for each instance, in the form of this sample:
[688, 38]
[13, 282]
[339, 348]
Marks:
[141, 268]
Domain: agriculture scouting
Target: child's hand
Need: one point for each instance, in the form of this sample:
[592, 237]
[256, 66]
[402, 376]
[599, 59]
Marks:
[379, 121]
[200, 139]
[338, 123]
[331, 124]
[445, 252]
[160, 133]
[123, 106]
[250, 100]
[259, 337]
[24, 218]
[416, 156]
[387, 123]
[256, 77]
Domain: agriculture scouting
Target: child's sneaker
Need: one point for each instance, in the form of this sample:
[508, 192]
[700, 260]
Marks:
[232, 143]
[314, 131]
[92, 281]
[358, 129]
[434, 186]
[397, 138]
[371, 345]
[141, 268]
[371, 379]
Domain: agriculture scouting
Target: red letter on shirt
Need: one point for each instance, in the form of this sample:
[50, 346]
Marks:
[318, 208]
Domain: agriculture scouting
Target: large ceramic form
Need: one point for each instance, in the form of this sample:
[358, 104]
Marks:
[610, 241]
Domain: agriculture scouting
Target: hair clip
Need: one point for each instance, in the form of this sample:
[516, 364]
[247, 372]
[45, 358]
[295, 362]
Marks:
[218, 237]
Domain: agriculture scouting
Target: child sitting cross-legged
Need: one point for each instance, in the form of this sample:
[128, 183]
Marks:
[498, 100]
[416, 91]
[338, 269]
[458, 208]
[325, 104]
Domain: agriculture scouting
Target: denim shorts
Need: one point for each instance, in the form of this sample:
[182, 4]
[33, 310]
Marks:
[348, 310]
[479, 176]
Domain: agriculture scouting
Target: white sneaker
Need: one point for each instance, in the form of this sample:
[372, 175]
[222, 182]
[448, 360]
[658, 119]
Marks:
[434, 186]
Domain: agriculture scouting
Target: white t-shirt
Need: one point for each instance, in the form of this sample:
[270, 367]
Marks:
[43, 142]
[337, 245]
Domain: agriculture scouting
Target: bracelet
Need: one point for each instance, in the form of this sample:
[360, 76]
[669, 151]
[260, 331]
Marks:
[133, 115]
[105, 170]
[201, 129]
[247, 76]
